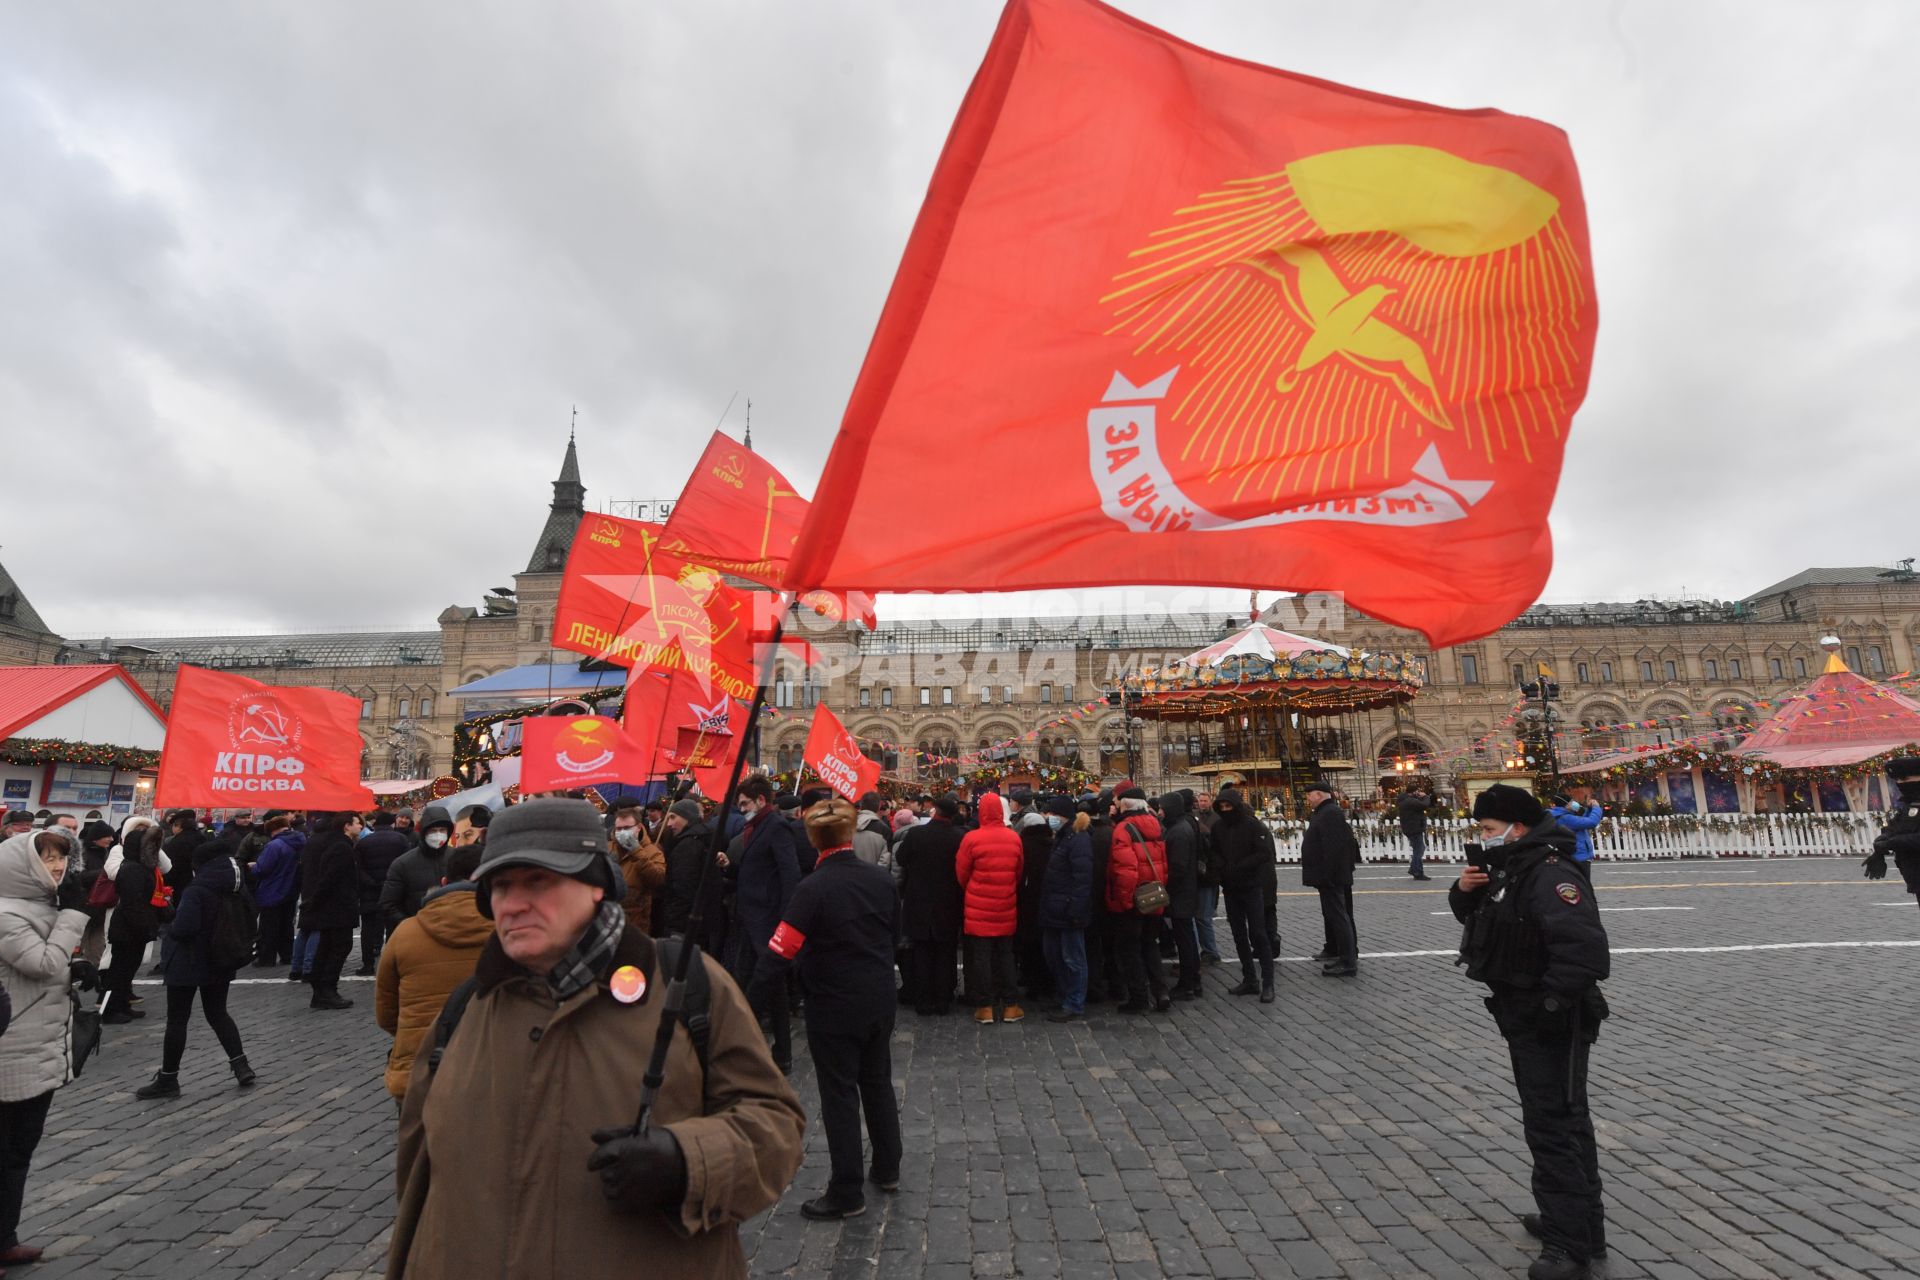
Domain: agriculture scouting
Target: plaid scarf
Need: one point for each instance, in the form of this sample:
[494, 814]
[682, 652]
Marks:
[581, 967]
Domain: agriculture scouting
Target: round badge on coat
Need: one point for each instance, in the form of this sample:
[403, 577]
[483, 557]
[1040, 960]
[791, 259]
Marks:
[628, 984]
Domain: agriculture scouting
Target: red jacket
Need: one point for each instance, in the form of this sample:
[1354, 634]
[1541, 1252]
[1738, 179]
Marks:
[1139, 855]
[988, 866]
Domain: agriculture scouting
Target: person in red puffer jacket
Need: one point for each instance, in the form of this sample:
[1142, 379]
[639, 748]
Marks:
[988, 866]
[1139, 856]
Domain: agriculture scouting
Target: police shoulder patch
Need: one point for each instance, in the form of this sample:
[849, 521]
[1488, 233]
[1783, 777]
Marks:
[1569, 893]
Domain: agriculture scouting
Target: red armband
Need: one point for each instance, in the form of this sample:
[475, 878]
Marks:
[786, 941]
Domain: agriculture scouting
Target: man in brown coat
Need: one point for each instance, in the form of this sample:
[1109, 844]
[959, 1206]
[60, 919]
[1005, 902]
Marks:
[432, 952]
[515, 1156]
[642, 864]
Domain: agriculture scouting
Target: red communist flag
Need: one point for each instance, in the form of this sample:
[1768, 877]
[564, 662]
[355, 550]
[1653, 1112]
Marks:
[1246, 328]
[237, 743]
[661, 701]
[559, 753]
[832, 753]
[708, 747]
[739, 515]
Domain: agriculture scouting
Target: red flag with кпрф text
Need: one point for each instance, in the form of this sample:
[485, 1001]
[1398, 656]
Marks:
[235, 743]
[833, 753]
[1236, 327]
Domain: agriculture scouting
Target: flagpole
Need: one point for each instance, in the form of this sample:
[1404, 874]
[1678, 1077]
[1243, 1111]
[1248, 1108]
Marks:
[683, 963]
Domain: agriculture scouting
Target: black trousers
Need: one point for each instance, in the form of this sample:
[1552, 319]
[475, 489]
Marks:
[1103, 962]
[991, 982]
[1186, 943]
[373, 936]
[854, 1067]
[930, 974]
[123, 966]
[335, 946]
[1247, 917]
[1137, 938]
[276, 934]
[1550, 1074]
[1336, 913]
[21, 1124]
[213, 1004]
[766, 990]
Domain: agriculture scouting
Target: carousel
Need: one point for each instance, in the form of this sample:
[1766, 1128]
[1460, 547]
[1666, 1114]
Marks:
[1267, 710]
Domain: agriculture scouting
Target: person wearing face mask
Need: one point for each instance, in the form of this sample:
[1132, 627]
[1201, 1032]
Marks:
[417, 872]
[276, 890]
[1533, 935]
[1066, 906]
[765, 875]
[643, 866]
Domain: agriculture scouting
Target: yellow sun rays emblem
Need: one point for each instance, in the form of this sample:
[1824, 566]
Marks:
[1351, 301]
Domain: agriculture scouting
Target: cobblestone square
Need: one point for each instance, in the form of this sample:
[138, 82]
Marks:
[1752, 1094]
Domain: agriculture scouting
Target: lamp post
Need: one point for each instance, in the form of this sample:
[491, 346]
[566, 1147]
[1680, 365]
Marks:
[1546, 692]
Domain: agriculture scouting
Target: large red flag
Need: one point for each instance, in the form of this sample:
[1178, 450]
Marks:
[234, 742]
[661, 701]
[739, 515]
[1238, 327]
[560, 753]
[832, 753]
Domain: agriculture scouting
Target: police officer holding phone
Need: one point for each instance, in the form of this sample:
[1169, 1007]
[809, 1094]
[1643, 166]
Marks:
[1533, 935]
[1901, 836]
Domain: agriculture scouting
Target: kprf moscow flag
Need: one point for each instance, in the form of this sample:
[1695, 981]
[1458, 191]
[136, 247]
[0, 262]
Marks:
[1168, 316]
[237, 743]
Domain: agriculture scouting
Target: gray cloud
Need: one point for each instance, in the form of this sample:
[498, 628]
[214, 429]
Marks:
[298, 297]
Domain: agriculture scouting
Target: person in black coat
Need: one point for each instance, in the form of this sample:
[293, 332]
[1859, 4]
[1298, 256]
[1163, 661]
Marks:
[1104, 979]
[1328, 854]
[330, 903]
[765, 873]
[1036, 846]
[135, 923]
[190, 971]
[932, 905]
[1066, 906]
[1183, 839]
[1243, 847]
[685, 842]
[186, 836]
[373, 857]
[1533, 935]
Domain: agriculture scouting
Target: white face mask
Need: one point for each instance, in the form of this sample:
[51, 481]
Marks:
[1494, 842]
[627, 837]
[435, 839]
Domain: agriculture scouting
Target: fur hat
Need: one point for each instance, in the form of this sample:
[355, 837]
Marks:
[1505, 803]
[830, 824]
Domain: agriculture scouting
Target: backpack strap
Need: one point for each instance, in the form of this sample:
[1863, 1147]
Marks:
[449, 1021]
[696, 1012]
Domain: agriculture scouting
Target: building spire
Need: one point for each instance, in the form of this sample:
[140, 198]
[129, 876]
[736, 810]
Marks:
[749, 426]
[563, 516]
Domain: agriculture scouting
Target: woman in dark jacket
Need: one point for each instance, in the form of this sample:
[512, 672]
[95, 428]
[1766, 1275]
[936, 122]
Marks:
[330, 903]
[134, 925]
[190, 970]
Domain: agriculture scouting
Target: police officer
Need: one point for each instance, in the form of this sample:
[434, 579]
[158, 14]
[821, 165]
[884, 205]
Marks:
[1534, 937]
[1901, 836]
[839, 927]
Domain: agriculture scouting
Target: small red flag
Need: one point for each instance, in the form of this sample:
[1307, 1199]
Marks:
[561, 753]
[832, 753]
[1243, 327]
[660, 701]
[739, 515]
[234, 742]
[708, 747]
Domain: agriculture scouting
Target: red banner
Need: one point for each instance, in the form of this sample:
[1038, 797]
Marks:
[832, 753]
[562, 753]
[707, 749]
[739, 515]
[237, 743]
[1252, 329]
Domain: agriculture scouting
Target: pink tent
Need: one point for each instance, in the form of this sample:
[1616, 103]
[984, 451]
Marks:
[1839, 719]
[1259, 641]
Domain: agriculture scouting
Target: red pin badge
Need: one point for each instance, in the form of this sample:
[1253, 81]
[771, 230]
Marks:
[628, 984]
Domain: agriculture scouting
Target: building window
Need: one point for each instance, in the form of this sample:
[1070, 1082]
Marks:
[426, 708]
[405, 706]
[946, 695]
[986, 694]
[1006, 694]
[1853, 660]
[1733, 667]
[926, 695]
[1673, 672]
[1469, 669]
[1066, 693]
[1874, 662]
[1713, 669]
[366, 708]
[1046, 693]
[783, 693]
[1773, 665]
[1800, 667]
[866, 695]
[1646, 673]
[886, 696]
[1519, 674]
[1606, 673]
[1580, 672]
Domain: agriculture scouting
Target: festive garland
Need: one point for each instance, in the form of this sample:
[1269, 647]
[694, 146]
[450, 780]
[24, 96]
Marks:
[1757, 769]
[60, 751]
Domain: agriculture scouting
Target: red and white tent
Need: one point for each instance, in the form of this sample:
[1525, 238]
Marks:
[1839, 719]
[65, 738]
[1258, 641]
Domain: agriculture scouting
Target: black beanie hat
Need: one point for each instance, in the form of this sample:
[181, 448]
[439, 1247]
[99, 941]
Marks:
[1504, 803]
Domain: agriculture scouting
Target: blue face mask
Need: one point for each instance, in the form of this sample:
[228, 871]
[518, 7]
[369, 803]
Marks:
[1494, 842]
[1055, 821]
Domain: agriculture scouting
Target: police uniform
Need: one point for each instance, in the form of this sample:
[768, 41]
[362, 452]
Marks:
[1533, 935]
[839, 929]
[1901, 836]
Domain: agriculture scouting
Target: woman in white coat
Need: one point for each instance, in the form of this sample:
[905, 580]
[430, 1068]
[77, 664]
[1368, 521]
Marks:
[41, 919]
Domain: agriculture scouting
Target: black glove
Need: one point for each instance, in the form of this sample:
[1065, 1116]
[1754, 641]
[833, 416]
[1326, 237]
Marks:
[639, 1172]
[71, 895]
[1554, 1011]
[1876, 865]
[84, 974]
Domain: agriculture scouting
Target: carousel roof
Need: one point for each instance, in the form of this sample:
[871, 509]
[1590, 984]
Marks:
[1259, 641]
[1264, 666]
[1839, 719]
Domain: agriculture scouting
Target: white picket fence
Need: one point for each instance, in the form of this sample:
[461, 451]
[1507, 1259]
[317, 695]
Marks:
[1718, 835]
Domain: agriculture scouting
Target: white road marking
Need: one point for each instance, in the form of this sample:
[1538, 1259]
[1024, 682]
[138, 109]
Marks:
[1644, 951]
[1891, 904]
[1646, 908]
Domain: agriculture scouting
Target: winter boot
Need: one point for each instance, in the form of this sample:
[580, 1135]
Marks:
[1555, 1263]
[1266, 984]
[1597, 1241]
[166, 1084]
[329, 999]
[241, 1071]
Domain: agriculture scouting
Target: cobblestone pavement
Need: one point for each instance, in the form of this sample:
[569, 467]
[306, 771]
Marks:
[1754, 1095]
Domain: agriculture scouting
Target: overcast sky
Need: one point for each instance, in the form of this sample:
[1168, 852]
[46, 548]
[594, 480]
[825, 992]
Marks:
[297, 297]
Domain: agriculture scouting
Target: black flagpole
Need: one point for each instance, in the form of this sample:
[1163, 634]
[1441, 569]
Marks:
[677, 985]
